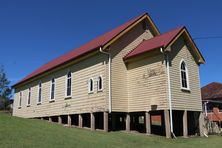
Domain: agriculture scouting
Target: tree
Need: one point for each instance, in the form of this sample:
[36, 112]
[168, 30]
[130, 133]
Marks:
[5, 90]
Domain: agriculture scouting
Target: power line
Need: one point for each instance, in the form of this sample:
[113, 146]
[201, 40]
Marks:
[207, 37]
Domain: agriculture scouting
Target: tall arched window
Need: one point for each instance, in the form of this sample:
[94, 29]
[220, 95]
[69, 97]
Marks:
[29, 97]
[184, 76]
[52, 91]
[40, 93]
[20, 100]
[90, 85]
[100, 83]
[69, 84]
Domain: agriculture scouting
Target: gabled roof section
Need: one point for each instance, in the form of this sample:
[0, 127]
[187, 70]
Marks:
[101, 41]
[156, 42]
[163, 41]
[212, 91]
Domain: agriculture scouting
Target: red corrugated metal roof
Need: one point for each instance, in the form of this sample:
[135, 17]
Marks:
[162, 40]
[212, 91]
[88, 47]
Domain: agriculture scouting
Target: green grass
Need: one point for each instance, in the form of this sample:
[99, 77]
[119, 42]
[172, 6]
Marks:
[21, 133]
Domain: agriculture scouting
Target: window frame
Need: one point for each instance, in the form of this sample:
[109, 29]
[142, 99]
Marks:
[50, 95]
[66, 90]
[29, 97]
[89, 86]
[187, 76]
[99, 90]
[39, 93]
[20, 100]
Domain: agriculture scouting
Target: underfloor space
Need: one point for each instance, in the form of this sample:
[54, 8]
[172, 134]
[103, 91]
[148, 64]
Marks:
[137, 122]
[193, 122]
[118, 121]
[178, 122]
[86, 120]
[64, 119]
[157, 122]
[99, 120]
[75, 120]
[54, 119]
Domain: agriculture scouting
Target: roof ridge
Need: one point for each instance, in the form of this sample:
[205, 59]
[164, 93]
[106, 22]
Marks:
[89, 46]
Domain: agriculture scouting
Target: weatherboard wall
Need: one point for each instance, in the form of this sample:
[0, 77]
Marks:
[147, 83]
[80, 102]
[181, 99]
[119, 70]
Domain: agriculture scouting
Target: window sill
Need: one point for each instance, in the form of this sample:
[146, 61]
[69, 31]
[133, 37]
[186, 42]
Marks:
[100, 90]
[39, 103]
[90, 92]
[185, 89]
[68, 97]
[50, 101]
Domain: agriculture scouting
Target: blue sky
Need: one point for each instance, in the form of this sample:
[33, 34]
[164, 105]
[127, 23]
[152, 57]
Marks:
[33, 32]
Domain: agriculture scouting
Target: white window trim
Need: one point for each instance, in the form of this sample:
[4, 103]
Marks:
[39, 102]
[89, 81]
[20, 100]
[99, 90]
[187, 75]
[68, 96]
[29, 89]
[50, 97]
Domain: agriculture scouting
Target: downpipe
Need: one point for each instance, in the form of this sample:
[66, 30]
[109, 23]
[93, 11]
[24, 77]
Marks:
[169, 91]
[109, 70]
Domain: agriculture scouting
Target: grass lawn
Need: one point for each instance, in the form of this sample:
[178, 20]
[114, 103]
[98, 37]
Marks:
[20, 133]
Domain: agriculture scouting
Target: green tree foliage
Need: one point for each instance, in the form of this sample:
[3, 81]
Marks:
[5, 90]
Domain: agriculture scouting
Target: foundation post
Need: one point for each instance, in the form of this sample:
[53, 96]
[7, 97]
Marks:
[80, 120]
[92, 121]
[106, 121]
[69, 120]
[148, 127]
[185, 131]
[167, 123]
[59, 119]
[201, 124]
[50, 119]
[127, 122]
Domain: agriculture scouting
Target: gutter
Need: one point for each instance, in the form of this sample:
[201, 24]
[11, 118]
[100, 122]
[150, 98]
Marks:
[109, 67]
[169, 90]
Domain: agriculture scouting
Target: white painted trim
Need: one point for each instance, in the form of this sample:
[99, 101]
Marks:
[39, 102]
[169, 91]
[29, 91]
[99, 90]
[20, 100]
[187, 76]
[50, 97]
[68, 96]
[89, 84]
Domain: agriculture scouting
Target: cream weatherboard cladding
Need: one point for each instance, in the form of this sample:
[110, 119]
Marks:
[184, 100]
[147, 84]
[80, 102]
[119, 71]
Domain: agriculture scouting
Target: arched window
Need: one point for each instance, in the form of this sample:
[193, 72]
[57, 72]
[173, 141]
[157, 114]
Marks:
[68, 84]
[52, 91]
[90, 85]
[184, 76]
[100, 84]
[20, 100]
[29, 97]
[40, 93]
